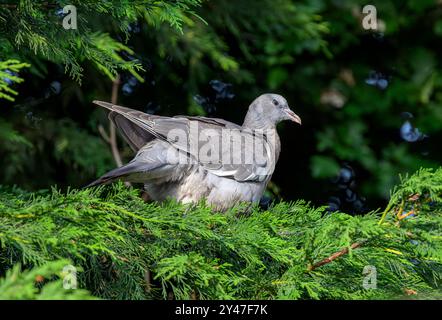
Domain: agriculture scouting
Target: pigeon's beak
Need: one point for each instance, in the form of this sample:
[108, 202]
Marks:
[293, 116]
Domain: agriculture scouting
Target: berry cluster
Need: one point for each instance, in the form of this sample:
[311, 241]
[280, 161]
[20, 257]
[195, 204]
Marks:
[346, 197]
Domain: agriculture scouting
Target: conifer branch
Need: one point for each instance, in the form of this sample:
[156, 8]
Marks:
[334, 256]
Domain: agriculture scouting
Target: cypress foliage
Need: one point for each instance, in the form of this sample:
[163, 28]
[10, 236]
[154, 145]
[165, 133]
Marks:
[33, 31]
[125, 248]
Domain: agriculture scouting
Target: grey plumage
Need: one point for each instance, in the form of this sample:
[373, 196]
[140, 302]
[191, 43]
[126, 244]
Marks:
[190, 158]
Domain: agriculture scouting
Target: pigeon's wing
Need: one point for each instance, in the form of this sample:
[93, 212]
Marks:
[242, 156]
[140, 119]
[221, 147]
[138, 128]
[154, 127]
[135, 136]
[151, 162]
[187, 134]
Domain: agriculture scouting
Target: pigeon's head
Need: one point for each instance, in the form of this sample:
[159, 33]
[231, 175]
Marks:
[272, 108]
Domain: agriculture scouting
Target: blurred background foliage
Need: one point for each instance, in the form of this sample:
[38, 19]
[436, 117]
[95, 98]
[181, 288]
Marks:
[370, 101]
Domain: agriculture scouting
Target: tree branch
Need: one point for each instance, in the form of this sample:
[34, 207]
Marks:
[112, 133]
[103, 133]
[15, 6]
[334, 256]
[148, 279]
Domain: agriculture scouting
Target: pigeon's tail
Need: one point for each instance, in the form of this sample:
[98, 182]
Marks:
[111, 176]
[131, 172]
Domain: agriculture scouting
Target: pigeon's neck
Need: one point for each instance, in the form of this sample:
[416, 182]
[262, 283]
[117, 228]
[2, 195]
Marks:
[255, 120]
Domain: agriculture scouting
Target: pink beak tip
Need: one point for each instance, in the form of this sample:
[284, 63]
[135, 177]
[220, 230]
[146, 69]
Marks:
[294, 117]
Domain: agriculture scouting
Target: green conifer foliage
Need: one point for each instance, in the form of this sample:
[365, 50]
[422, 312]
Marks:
[129, 249]
[33, 31]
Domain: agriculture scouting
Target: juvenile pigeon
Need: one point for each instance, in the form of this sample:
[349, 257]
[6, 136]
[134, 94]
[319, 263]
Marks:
[190, 158]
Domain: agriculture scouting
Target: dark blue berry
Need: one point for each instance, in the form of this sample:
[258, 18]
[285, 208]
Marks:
[382, 84]
[409, 133]
[55, 87]
[127, 89]
[132, 81]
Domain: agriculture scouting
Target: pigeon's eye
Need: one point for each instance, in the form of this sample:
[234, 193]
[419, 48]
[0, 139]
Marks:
[275, 102]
